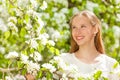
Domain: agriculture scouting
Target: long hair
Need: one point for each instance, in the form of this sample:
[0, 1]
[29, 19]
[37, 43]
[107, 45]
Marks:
[95, 22]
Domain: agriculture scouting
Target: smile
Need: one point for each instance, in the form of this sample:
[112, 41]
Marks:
[79, 37]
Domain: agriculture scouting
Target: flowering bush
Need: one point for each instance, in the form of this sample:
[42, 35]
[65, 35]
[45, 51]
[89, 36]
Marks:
[57, 69]
[32, 32]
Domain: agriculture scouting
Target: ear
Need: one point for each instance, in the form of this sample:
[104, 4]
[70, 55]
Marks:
[95, 30]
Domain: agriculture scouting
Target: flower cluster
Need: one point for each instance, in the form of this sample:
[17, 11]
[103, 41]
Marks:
[64, 71]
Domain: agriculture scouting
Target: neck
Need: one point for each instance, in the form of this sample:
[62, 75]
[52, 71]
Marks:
[87, 51]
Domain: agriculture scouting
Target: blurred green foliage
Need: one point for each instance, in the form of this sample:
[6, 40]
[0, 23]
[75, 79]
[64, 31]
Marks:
[56, 19]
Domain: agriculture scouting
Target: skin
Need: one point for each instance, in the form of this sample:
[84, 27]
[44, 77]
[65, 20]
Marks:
[83, 33]
[29, 77]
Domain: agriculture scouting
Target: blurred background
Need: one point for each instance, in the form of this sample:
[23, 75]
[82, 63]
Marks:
[42, 26]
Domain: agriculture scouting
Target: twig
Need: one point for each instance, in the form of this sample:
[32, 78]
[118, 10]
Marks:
[8, 69]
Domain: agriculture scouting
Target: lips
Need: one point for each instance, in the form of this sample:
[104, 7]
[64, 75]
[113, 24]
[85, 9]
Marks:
[79, 37]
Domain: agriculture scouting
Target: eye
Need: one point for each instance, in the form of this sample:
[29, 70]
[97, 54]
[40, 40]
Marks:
[83, 26]
[73, 27]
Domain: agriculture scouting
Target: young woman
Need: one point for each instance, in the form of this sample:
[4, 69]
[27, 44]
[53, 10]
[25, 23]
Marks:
[87, 50]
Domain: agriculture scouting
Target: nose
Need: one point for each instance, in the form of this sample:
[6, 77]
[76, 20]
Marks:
[78, 30]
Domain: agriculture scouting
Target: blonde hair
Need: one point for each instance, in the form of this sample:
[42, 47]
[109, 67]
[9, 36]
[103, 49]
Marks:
[94, 22]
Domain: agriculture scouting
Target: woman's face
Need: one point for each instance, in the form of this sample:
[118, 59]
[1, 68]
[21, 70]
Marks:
[82, 30]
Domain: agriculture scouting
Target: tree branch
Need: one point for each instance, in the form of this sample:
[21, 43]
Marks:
[8, 69]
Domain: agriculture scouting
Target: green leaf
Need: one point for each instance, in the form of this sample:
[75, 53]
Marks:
[97, 75]
[27, 18]
[24, 71]
[24, 52]
[22, 32]
[57, 52]
[49, 76]
[7, 34]
[40, 48]
[32, 50]
[40, 73]
[115, 65]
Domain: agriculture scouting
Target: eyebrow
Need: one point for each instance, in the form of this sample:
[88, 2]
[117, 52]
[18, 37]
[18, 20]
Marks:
[81, 24]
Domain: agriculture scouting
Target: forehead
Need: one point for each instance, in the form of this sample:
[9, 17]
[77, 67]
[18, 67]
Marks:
[80, 20]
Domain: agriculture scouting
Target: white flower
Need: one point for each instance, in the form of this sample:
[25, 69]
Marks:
[49, 67]
[105, 25]
[44, 5]
[56, 35]
[54, 9]
[12, 26]
[18, 12]
[43, 37]
[75, 10]
[90, 5]
[4, 10]
[64, 77]
[46, 15]
[22, 3]
[37, 56]
[3, 27]
[34, 3]
[32, 68]
[44, 78]
[41, 23]
[64, 10]
[33, 43]
[24, 58]
[60, 62]
[30, 11]
[116, 31]
[12, 55]
[2, 49]
[38, 30]
[12, 19]
[51, 42]
[19, 77]
[8, 78]
[28, 25]
[59, 18]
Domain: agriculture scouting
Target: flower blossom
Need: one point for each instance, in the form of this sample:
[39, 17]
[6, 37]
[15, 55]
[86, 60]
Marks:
[12, 55]
[37, 56]
[51, 42]
[44, 6]
[24, 58]
[49, 67]
[12, 26]
[33, 68]
[12, 19]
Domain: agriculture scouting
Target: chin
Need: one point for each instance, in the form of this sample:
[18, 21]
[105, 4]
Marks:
[80, 43]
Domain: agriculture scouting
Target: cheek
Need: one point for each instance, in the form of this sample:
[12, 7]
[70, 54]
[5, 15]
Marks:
[73, 34]
[88, 32]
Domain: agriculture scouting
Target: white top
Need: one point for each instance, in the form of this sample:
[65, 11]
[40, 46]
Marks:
[105, 63]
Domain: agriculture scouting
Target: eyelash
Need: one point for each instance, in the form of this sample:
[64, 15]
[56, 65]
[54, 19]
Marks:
[83, 26]
[73, 27]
